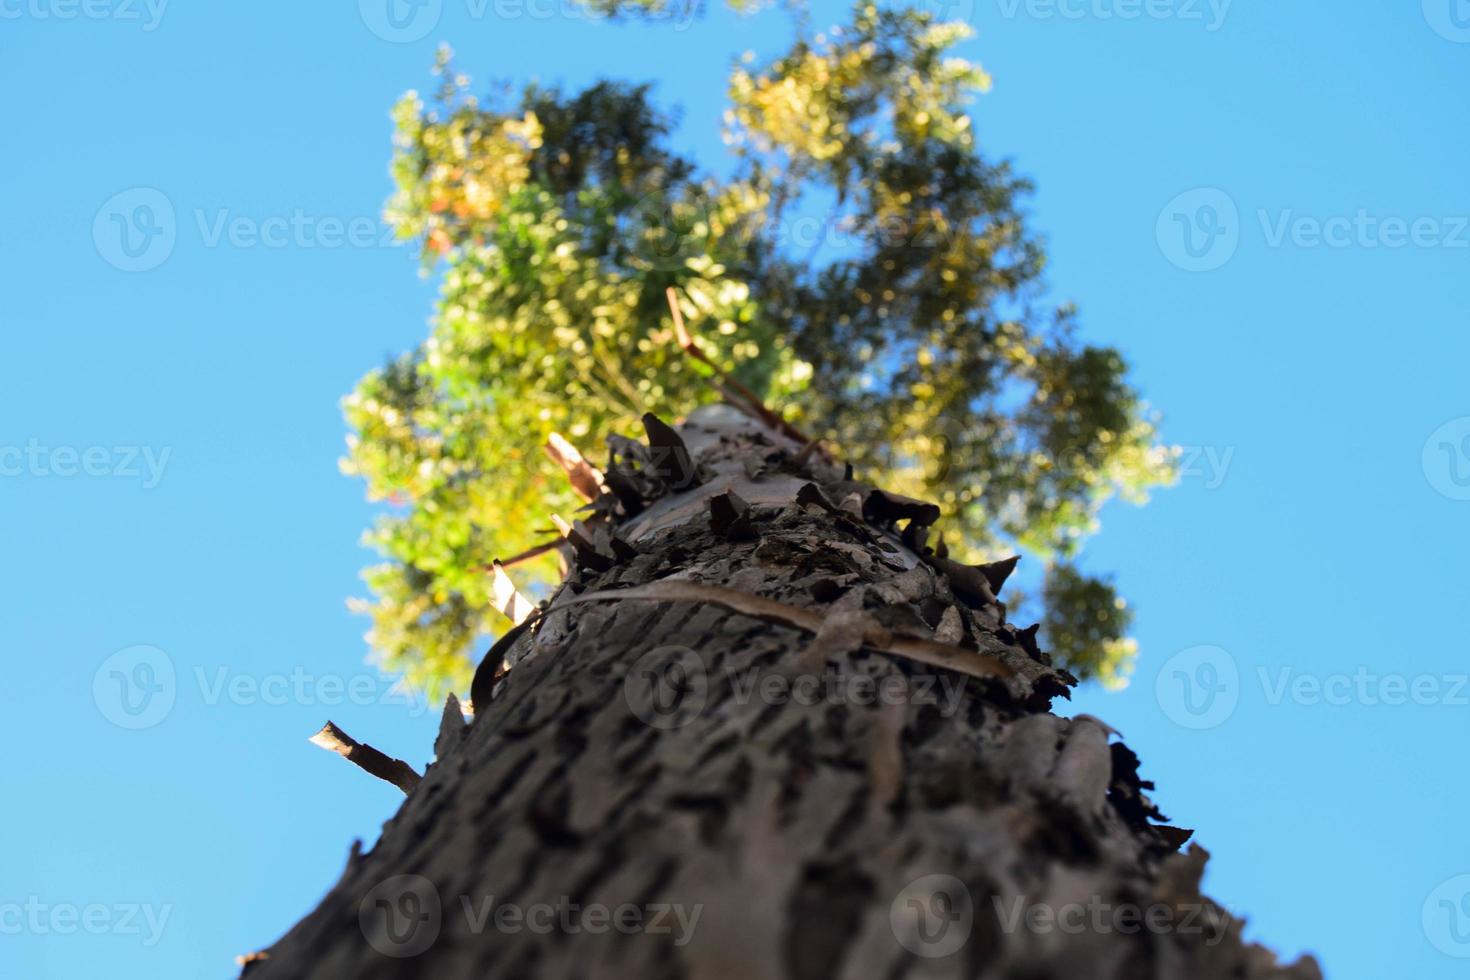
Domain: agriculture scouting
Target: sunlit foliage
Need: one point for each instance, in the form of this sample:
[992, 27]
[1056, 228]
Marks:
[915, 334]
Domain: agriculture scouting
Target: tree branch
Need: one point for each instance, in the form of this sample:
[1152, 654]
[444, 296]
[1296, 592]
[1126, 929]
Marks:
[367, 758]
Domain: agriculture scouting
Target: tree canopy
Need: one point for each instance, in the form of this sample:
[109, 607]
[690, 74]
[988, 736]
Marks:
[863, 267]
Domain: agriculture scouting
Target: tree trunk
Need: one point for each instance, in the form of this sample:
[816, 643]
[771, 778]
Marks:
[805, 746]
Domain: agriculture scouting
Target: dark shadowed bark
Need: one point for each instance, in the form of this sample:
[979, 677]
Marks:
[799, 744]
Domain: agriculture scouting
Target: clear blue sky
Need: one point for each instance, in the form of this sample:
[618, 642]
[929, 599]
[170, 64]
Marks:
[1299, 314]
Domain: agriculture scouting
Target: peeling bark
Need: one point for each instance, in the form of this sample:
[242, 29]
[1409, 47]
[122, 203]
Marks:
[772, 794]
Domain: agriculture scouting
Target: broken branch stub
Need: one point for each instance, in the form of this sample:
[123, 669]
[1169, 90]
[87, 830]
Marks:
[367, 758]
[967, 581]
[508, 599]
[882, 507]
[996, 572]
[733, 391]
[585, 478]
[669, 459]
[527, 555]
[729, 516]
[583, 548]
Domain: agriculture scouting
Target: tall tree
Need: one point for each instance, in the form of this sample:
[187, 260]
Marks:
[766, 723]
[763, 730]
[863, 268]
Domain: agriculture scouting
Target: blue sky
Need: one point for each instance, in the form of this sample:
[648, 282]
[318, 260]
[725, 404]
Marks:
[1263, 204]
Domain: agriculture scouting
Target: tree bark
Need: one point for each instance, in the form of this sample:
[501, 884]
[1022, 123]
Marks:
[810, 747]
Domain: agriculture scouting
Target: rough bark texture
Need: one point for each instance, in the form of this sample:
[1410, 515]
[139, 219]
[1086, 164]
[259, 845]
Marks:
[825, 806]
